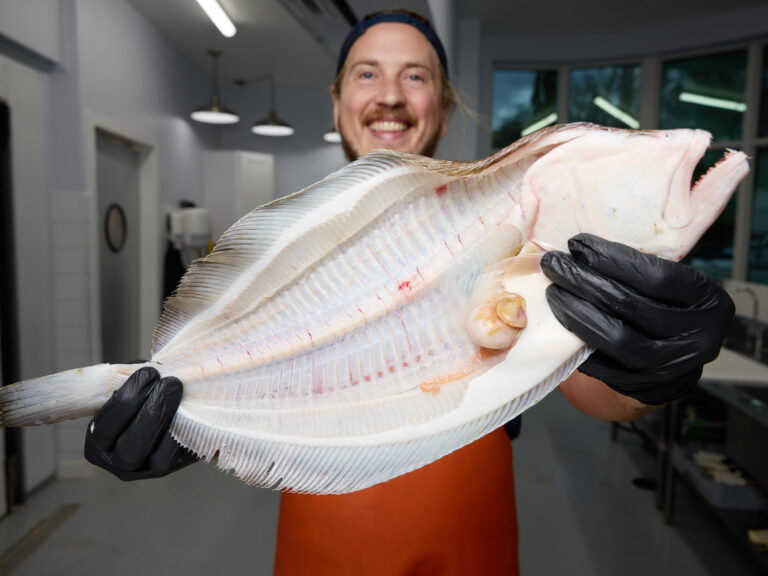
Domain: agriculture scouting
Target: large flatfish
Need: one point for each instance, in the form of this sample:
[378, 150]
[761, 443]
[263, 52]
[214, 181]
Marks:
[395, 311]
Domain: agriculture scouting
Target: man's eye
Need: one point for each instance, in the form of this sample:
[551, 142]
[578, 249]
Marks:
[366, 75]
[416, 78]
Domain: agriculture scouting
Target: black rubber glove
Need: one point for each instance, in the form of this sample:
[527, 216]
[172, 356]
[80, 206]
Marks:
[129, 435]
[653, 323]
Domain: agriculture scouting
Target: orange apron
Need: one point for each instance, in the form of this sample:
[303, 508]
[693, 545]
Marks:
[454, 517]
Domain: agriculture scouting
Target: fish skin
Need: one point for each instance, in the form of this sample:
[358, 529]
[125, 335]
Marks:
[323, 345]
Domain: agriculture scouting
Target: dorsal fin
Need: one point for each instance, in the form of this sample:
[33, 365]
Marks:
[299, 228]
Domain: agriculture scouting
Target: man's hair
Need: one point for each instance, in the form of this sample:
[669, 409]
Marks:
[448, 96]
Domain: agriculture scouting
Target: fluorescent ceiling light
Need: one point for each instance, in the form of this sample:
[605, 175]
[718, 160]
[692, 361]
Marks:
[218, 17]
[722, 103]
[616, 112]
[546, 121]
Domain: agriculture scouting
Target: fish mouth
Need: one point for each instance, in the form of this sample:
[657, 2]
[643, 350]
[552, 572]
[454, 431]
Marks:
[710, 192]
[731, 161]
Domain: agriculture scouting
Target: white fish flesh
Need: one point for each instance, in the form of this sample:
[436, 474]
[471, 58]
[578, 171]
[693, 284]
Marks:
[395, 311]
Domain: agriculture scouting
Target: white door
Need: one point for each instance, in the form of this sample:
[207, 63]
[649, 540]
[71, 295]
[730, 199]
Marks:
[117, 169]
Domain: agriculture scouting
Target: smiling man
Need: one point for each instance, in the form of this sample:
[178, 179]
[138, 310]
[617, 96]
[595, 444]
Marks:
[456, 516]
[392, 90]
[652, 323]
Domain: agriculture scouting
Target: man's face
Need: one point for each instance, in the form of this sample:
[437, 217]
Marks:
[389, 94]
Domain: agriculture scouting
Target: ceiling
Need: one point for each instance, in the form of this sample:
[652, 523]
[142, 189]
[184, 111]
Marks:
[269, 39]
[298, 45]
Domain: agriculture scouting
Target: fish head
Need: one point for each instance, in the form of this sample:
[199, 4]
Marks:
[633, 186]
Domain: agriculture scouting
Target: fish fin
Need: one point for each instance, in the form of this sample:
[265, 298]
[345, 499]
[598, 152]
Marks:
[275, 243]
[318, 465]
[61, 396]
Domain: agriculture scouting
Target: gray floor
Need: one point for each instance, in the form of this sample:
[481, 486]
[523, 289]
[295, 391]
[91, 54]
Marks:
[579, 514]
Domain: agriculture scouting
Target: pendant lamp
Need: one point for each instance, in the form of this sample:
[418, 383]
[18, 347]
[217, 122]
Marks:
[331, 135]
[214, 112]
[271, 125]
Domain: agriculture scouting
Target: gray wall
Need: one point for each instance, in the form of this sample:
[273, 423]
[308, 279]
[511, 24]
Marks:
[300, 159]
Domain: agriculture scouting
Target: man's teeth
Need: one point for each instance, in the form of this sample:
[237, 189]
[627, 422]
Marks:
[388, 126]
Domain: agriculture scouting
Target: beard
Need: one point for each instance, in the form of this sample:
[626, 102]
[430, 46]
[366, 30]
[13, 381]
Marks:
[428, 149]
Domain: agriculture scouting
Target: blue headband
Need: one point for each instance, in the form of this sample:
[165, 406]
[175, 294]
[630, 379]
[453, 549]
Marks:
[368, 21]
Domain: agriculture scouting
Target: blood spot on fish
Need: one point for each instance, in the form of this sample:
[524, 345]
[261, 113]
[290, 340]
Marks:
[310, 338]
[482, 222]
[367, 377]
[418, 358]
[379, 374]
[405, 285]
[449, 248]
[458, 237]
[249, 355]
[405, 364]
[391, 369]
[220, 362]
[440, 190]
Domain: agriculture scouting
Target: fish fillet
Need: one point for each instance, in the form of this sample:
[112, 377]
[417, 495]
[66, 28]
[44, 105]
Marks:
[395, 311]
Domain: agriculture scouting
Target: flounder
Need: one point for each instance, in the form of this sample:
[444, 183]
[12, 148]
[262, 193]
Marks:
[395, 311]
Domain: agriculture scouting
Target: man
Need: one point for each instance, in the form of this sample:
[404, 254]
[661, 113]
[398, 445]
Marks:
[457, 515]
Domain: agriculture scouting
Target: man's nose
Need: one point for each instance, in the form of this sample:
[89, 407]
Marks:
[391, 93]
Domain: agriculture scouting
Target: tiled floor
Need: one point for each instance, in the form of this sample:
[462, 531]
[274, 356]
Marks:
[579, 514]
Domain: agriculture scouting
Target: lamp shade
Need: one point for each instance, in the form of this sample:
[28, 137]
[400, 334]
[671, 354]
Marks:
[272, 126]
[332, 136]
[215, 113]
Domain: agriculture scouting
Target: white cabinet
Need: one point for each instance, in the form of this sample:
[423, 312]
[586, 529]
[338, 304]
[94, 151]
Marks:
[236, 182]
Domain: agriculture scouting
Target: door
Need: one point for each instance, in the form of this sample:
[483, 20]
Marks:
[117, 173]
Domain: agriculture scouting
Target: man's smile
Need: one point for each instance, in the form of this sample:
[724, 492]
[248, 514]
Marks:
[388, 126]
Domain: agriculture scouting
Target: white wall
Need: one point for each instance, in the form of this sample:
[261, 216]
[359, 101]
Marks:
[32, 25]
[120, 74]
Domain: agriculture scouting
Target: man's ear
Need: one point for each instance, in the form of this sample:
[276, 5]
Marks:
[335, 99]
[444, 127]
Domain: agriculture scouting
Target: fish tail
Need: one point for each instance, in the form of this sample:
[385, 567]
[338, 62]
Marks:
[61, 396]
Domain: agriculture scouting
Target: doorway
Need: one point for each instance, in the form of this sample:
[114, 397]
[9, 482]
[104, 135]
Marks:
[118, 163]
[10, 448]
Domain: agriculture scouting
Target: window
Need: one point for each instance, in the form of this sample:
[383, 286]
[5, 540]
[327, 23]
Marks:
[763, 130]
[705, 92]
[523, 101]
[606, 95]
[713, 253]
[758, 245]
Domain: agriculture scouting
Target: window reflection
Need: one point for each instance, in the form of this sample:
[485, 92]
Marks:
[607, 95]
[523, 100]
[713, 254]
[758, 242]
[705, 92]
